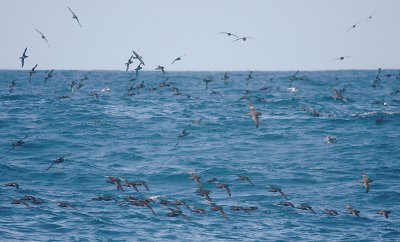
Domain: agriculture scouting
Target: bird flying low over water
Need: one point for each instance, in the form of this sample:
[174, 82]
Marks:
[49, 75]
[23, 57]
[31, 72]
[75, 17]
[138, 57]
[366, 181]
[254, 114]
[177, 59]
[160, 68]
[12, 84]
[18, 143]
[129, 62]
[43, 37]
[58, 161]
[385, 213]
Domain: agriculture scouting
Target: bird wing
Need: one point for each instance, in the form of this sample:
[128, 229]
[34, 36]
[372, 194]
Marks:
[283, 194]
[71, 11]
[248, 179]
[256, 120]
[228, 190]
[78, 22]
[39, 31]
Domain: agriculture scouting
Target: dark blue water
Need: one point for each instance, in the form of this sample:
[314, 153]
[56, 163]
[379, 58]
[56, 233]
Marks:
[134, 137]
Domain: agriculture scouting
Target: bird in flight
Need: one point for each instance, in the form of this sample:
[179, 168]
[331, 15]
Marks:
[229, 34]
[177, 59]
[31, 72]
[243, 38]
[24, 56]
[161, 68]
[138, 57]
[43, 37]
[129, 62]
[49, 75]
[341, 58]
[75, 17]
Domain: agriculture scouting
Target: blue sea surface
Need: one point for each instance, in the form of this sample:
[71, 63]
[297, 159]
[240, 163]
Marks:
[134, 138]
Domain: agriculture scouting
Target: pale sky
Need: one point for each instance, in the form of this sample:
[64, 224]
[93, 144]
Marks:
[288, 34]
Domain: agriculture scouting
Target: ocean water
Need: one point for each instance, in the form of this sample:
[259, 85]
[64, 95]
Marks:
[134, 138]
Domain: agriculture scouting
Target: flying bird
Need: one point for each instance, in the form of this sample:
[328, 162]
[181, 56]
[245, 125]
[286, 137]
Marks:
[243, 38]
[161, 68]
[24, 56]
[43, 37]
[12, 84]
[366, 181]
[129, 62]
[49, 75]
[341, 58]
[229, 34]
[177, 59]
[353, 26]
[31, 72]
[75, 17]
[254, 114]
[58, 161]
[138, 57]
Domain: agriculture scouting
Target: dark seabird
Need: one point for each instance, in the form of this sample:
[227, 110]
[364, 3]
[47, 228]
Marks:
[245, 178]
[86, 77]
[212, 180]
[236, 208]
[338, 95]
[23, 57]
[161, 68]
[33, 199]
[43, 37]
[229, 34]
[129, 62]
[16, 201]
[249, 77]
[104, 198]
[226, 77]
[197, 210]
[137, 69]
[58, 161]
[63, 97]
[330, 139]
[277, 189]
[384, 213]
[341, 58]
[248, 209]
[243, 38]
[49, 75]
[176, 213]
[330, 212]
[286, 204]
[304, 206]
[353, 26]
[116, 181]
[196, 178]
[180, 203]
[366, 181]
[181, 135]
[18, 143]
[177, 59]
[31, 72]
[254, 114]
[131, 184]
[204, 193]
[12, 184]
[215, 207]
[95, 94]
[75, 17]
[12, 84]
[206, 81]
[225, 187]
[65, 205]
[352, 211]
[138, 57]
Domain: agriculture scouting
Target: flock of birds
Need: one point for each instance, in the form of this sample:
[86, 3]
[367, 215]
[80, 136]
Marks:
[173, 206]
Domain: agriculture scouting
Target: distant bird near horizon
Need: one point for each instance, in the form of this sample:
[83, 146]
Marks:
[31, 72]
[12, 84]
[75, 17]
[342, 58]
[23, 57]
[49, 75]
[43, 37]
[161, 68]
[361, 21]
[177, 59]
